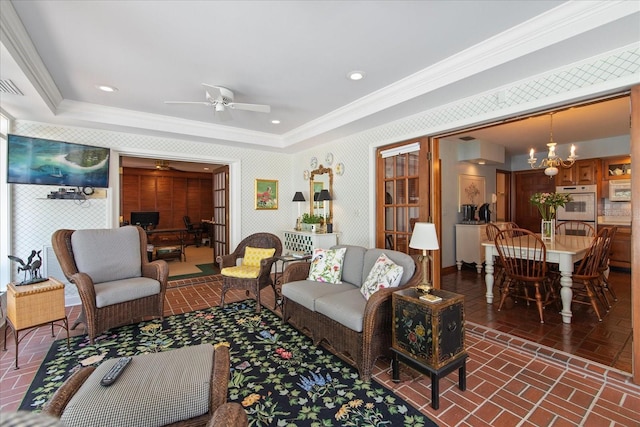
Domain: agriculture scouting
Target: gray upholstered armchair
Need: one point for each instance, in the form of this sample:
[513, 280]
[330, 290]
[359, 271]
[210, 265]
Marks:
[116, 282]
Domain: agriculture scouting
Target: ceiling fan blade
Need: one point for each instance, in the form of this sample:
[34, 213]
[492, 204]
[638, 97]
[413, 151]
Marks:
[250, 107]
[188, 102]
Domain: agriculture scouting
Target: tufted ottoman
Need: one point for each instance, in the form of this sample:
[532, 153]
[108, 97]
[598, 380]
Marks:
[183, 386]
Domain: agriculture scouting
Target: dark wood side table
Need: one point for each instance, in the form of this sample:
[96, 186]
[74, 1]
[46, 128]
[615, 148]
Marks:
[429, 336]
[30, 306]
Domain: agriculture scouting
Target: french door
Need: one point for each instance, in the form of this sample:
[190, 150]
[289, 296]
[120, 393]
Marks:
[220, 238]
[407, 187]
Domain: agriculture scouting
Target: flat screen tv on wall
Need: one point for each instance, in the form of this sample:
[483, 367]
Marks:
[48, 162]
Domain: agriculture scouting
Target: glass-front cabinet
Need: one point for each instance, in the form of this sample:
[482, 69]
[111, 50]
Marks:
[617, 168]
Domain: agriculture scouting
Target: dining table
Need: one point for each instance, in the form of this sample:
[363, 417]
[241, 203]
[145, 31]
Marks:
[564, 250]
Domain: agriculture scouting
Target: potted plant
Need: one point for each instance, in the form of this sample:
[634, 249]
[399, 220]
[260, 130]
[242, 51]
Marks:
[309, 220]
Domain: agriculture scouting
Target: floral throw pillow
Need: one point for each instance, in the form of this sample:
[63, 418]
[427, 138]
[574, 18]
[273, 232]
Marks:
[384, 274]
[326, 265]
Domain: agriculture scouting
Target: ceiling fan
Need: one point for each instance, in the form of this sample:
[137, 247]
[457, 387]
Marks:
[221, 99]
[163, 165]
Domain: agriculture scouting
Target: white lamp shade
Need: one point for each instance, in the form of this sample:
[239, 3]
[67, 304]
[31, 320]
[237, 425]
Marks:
[424, 236]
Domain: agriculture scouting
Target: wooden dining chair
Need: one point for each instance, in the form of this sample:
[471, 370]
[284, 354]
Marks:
[523, 255]
[510, 227]
[586, 278]
[492, 232]
[575, 228]
[603, 281]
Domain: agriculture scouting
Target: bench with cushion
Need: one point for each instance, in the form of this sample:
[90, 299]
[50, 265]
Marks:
[339, 315]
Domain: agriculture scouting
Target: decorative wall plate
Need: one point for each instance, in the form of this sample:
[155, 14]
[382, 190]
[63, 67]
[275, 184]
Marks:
[339, 169]
[329, 159]
[314, 163]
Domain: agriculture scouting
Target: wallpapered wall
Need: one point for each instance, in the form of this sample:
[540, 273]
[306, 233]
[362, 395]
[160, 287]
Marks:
[33, 220]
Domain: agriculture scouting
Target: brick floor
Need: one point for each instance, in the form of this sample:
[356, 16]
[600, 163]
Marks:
[510, 381]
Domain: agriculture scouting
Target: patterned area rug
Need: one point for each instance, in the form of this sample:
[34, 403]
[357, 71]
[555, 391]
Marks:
[277, 374]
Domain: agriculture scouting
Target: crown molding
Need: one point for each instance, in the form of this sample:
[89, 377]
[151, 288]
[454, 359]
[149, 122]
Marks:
[17, 41]
[119, 117]
[558, 24]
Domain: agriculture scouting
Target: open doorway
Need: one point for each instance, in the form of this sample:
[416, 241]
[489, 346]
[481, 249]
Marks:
[190, 200]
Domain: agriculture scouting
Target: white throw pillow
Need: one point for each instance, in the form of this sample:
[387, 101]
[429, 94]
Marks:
[384, 274]
[326, 265]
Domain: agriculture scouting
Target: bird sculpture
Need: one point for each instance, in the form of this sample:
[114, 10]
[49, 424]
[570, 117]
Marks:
[31, 266]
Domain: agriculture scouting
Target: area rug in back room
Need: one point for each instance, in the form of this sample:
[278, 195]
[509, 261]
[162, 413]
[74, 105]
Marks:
[277, 374]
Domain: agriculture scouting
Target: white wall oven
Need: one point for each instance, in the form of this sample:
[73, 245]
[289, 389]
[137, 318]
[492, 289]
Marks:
[583, 204]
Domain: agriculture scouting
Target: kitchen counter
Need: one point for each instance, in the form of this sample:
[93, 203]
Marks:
[614, 220]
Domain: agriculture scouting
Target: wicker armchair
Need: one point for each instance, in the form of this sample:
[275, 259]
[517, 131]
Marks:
[221, 413]
[102, 312]
[263, 278]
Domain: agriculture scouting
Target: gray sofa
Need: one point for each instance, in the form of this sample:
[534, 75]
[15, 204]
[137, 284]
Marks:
[337, 315]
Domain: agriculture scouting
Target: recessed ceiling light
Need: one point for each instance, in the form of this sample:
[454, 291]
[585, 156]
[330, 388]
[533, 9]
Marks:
[106, 88]
[356, 75]
[275, 122]
[206, 168]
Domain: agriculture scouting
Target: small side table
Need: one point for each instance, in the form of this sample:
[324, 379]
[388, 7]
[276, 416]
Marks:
[277, 275]
[30, 306]
[429, 336]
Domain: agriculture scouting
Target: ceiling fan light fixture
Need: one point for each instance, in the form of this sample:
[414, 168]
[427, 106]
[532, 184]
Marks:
[219, 107]
[162, 165]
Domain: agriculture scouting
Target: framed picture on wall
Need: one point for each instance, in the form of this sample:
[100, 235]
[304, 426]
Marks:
[471, 190]
[266, 194]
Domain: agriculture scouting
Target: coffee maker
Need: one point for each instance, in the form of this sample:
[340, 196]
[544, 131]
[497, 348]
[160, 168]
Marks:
[484, 213]
[469, 213]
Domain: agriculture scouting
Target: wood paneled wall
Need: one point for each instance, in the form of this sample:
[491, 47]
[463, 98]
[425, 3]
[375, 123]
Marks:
[172, 193]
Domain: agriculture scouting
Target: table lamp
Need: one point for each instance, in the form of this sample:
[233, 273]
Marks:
[424, 237]
[298, 197]
[323, 197]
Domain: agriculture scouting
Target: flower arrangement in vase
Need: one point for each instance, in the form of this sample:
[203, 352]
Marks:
[548, 204]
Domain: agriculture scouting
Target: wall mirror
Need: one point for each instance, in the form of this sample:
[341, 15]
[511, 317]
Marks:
[321, 179]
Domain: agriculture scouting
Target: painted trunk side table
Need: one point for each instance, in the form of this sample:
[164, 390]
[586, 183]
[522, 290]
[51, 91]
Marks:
[429, 336]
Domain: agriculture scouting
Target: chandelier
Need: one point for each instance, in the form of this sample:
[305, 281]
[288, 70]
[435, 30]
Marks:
[552, 162]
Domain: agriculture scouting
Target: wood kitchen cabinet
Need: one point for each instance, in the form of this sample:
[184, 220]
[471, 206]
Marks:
[616, 168]
[620, 253]
[583, 172]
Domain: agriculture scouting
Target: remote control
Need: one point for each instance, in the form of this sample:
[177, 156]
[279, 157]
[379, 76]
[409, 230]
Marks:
[115, 371]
